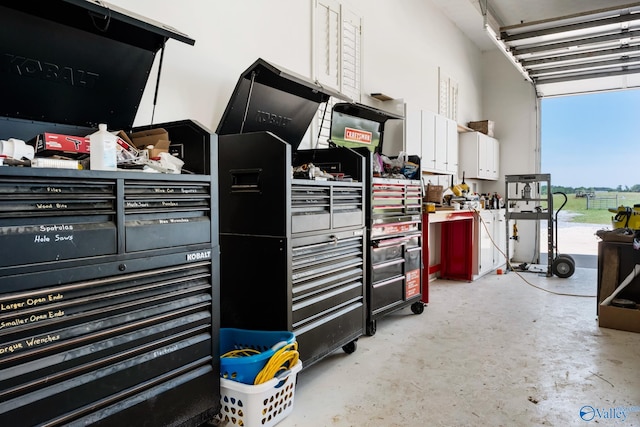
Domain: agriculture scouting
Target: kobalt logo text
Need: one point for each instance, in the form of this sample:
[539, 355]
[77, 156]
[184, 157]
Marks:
[199, 255]
[47, 71]
[272, 119]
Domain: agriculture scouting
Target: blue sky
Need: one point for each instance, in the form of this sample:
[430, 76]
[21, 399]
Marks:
[592, 140]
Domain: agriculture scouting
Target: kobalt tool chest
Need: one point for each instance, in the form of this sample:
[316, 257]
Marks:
[393, 216]
[109, 281]
[292, 249]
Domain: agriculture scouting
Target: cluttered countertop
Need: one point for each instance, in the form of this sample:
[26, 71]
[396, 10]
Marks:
[458, 199]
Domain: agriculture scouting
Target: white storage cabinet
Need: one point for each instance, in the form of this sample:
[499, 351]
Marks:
[479, 156]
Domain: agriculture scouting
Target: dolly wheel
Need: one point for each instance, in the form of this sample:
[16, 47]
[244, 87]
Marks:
[417, 307]
[568, 257]
[371, 328]
[563, 267]
[350, 348]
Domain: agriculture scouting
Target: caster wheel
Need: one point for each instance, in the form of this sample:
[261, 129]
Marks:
[350, 348]
[563, 267]
[371, 328]
[417, 307]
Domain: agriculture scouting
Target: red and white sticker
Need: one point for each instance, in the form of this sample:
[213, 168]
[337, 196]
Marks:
[357, 135]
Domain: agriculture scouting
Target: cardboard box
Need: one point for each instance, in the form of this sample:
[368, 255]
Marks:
[54, 144]
[624, 319]
[125, 143]
[484, 126]
[158, 139]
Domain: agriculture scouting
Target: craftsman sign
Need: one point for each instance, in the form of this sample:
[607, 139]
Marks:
[357, 135]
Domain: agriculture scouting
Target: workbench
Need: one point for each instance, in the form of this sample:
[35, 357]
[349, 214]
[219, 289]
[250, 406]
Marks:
[454, 237]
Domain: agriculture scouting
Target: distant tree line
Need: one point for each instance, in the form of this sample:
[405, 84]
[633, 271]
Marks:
[573, 190]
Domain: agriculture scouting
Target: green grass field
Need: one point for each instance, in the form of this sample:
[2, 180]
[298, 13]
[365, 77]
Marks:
[597, 212]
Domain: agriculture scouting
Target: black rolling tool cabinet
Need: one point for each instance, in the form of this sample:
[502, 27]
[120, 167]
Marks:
[109, 281]
[393, 216]
[292, 248]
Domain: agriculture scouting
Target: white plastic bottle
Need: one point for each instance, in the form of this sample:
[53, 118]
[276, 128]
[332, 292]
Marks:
[102, 154]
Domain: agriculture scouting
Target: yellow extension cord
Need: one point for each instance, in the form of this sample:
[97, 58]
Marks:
[288, 353]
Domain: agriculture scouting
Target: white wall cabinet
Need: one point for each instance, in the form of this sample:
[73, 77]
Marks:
[479, 156]
[435, 138]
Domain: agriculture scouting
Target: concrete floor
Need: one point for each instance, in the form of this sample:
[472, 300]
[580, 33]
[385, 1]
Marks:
[494, 352]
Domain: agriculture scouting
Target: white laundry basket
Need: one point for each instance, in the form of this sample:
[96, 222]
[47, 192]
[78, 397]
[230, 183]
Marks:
[261, 405]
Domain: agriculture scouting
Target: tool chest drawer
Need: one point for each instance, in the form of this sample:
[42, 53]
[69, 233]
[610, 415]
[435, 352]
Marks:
[395, 197]
[99, 310]
[66, 218]
[324, 206]
[162, 214]
[69, 347]
[387, 293]
[325, 276]
[387, 270]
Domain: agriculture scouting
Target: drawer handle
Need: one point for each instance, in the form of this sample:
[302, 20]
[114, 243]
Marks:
[389, 281]
[387, 264]
[245, 180]
[390, 242]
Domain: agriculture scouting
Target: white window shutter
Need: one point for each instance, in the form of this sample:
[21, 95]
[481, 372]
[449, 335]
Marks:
[351, 51]
[327, 40]
[338, 50]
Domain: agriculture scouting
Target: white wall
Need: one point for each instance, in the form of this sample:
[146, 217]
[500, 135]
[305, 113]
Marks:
[404, 43]
[511, 102]
[198, 80]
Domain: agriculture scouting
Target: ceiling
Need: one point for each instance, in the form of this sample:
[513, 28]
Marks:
[561, 46]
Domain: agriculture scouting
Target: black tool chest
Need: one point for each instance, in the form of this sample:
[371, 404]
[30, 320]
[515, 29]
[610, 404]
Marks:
[109, 281]
[292, 248]
[394, 224]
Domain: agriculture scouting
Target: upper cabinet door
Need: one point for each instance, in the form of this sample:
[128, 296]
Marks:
[441, 142]
[452, 146]
[428, 141]
[479, 156]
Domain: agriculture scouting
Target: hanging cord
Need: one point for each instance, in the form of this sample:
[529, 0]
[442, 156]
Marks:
[477, 213]
[155, 95]
[324, 113]
[284, 359]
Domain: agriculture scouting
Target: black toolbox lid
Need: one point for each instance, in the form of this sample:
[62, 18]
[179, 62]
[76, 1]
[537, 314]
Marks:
[361, 117]
[269, 98]
[76, 62]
